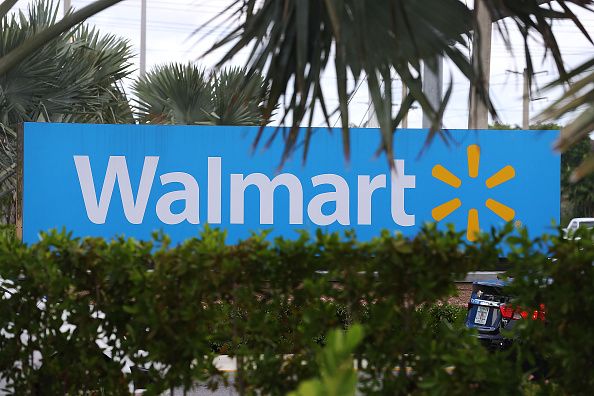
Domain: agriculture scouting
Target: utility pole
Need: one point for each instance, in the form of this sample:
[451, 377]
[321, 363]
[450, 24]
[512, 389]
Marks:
[142, 37]
[478, 115]
[526, 98]
[432, 85]
[67, 6]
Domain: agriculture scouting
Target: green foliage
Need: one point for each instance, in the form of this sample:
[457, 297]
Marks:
[562, 280]
[501, 126]
[12, 59]
[185, 94]
[337, 374]
[76, 77]
[579, 95]
[73, 311]
[439, 315]
[535, 127]
[546, 126]
[295, 41]
[578, 196]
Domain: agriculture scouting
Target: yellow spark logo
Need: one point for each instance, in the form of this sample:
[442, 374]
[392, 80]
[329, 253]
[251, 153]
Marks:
[503, 175]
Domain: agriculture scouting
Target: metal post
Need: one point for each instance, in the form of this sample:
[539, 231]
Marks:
[432, 86]
[478, 116]
[142, 37]
[526, 101]
[67, 6]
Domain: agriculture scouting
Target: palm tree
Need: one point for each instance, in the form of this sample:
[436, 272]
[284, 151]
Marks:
[186, 94]
[177, 94]
[295, 41]
[76, 77]
[237, 97]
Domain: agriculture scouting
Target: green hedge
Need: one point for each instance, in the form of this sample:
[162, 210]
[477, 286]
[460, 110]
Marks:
[172, 309]
[438, 315]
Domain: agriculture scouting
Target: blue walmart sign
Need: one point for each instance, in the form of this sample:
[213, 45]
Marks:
[108, 180]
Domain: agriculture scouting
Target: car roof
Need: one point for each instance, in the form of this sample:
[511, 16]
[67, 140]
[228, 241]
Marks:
[493, 282]
[583, 219]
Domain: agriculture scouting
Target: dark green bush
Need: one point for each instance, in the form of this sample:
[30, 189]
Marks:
[561, 284]
[267, 303]
[438, 315]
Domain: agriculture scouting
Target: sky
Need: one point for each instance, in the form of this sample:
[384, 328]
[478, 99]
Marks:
[170, 25]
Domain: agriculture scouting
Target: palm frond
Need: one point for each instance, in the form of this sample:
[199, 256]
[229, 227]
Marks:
[237, 97]
[294, 41]
[173, 93]
[77, 74]
[37, 41]
[76, 77]
[577, 100]
[185, 94]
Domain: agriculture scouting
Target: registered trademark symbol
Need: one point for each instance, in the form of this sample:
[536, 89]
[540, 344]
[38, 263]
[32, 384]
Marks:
[518, 224]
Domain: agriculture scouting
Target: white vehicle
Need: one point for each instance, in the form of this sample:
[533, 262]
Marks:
[578, 222]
